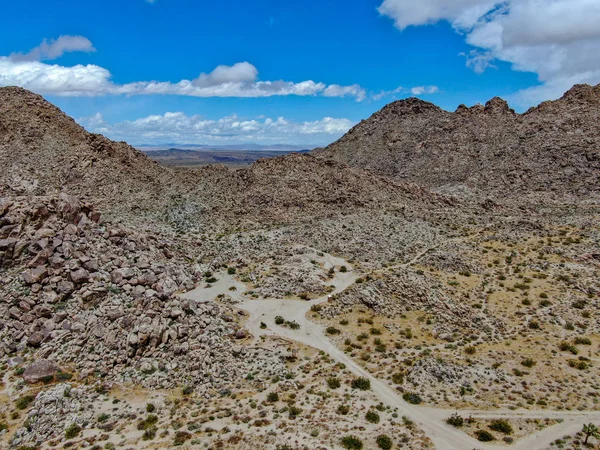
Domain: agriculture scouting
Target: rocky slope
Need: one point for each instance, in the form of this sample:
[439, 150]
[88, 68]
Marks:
[44, 152]
[101, 299]
[551, 151]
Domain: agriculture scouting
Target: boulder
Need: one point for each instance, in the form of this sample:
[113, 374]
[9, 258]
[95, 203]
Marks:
[39, 370]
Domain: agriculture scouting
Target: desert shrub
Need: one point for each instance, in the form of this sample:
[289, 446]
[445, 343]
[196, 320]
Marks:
[384, 442]
[187, 390]
[333, 382]
[375, 331]
[231, 270]
[272, 397]
[103, 417]
[332, 330]
[398, 378]
[364, 384]
[412, 398]
[150, 408]
[484, 436]
[455, 420]
[372, 416]
[63, 376]
[72, 431]
[24, 402]
[565, 346]
[528, 362]
[343, 409]
[470, 350]
[148, 422]
[294, 412]
[149, 434]
[583, 340]
[181, 437]
[292, 324]
[279, 320]
[351, 443]
[501, 425]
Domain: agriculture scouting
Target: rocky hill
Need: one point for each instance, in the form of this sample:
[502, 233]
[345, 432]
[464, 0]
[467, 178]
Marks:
[44, 152]
[551, 151]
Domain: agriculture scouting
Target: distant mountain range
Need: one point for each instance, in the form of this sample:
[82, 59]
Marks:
[250, 146]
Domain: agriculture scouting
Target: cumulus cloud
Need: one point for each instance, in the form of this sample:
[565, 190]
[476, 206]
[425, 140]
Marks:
[559, 40]
[181, 128]
[238, 80]
[55, 48]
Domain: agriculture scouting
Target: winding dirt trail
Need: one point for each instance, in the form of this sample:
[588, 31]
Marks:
[430, 420]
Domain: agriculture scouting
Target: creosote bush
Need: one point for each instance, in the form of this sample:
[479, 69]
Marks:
[484, 436]
[364, 384]
[351, 443]
[412, 398]
[384, 442]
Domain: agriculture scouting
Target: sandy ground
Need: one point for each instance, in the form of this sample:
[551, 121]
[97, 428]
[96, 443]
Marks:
[431, 420]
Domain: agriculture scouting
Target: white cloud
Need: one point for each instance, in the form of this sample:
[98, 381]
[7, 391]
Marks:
[420, 90]
[53, 49]
[336, 90]
[181, 128]
[239, 80]
[559, 40]
[401, 90]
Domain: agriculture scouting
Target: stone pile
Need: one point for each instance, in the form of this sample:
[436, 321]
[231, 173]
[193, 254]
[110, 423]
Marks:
[101, 299]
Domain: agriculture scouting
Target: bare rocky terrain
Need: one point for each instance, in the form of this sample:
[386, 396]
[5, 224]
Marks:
[548, 153]
[431, 280]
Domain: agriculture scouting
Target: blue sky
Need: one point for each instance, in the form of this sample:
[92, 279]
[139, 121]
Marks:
[287, 72]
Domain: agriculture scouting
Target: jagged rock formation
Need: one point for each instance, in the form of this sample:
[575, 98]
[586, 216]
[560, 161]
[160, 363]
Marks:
[552, 149]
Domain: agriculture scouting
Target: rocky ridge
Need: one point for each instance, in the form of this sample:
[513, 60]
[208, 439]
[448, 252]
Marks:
[550, 152]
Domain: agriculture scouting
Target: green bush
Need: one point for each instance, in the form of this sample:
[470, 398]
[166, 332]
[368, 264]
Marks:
[150, 408]
[332, 330]
[501, 425]
[181, 437]
[343, 269]
[362, 383]
[583, 340]
[351, 443]
[398, 378]
[412, 398]
[272, 397]
[343, 410]
[372, 416]
[149, 434]
[528, 362]
[231, 270]
[484, 436]
[333, 382]
[72, 431]
[384, 442]
[148, 422]
[294, 412]
[24, 402]
[279, 320]
[187, 390]
[455, 420]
